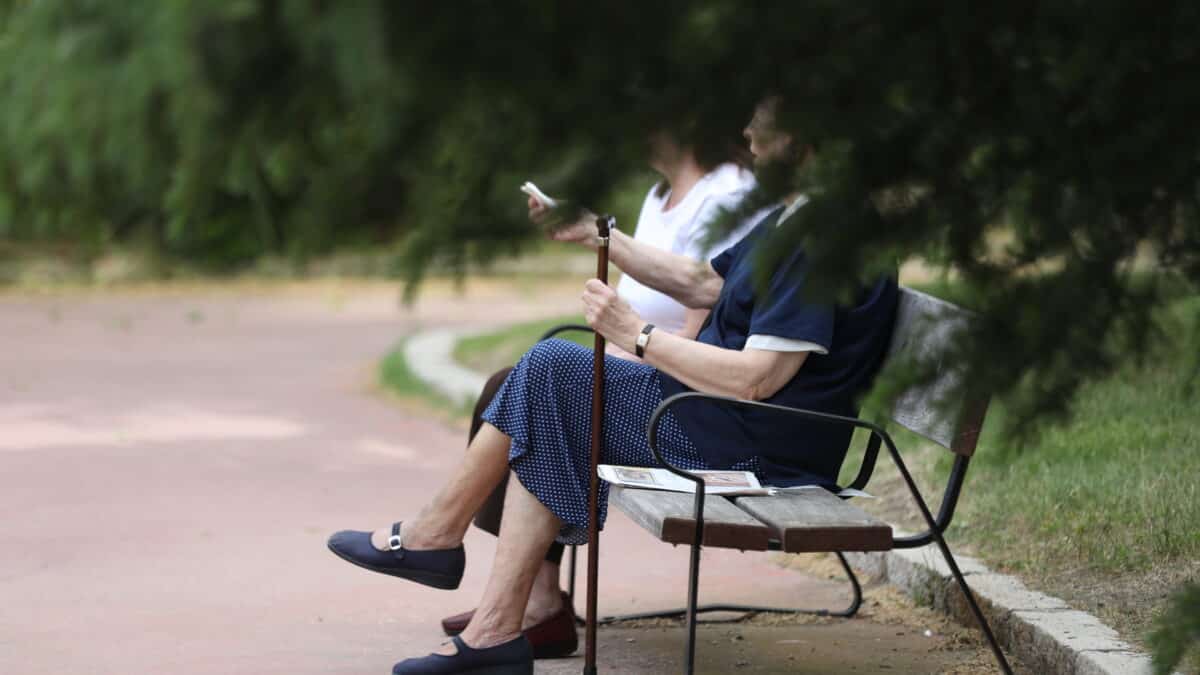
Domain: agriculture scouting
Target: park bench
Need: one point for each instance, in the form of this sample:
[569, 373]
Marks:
[809, 521]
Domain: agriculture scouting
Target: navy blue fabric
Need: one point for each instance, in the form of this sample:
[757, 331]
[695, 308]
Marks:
[438, 568]
[791, 451]
[782, 311]
[545, 407]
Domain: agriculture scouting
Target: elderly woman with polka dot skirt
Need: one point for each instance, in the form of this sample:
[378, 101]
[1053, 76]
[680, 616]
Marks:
[766, 343]
[545, 407]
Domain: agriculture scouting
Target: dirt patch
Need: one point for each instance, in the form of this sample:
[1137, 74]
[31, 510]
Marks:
[890, 634]
[1129, 603]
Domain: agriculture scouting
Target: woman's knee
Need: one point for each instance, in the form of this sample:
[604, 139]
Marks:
[549, 355]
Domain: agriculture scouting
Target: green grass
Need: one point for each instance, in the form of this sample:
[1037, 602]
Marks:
[484, 353]
[1113, 489]
[493, 351]
[1103, 509]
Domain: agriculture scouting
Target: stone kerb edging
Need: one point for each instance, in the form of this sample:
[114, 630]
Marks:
[430, 356]
[1042, 630]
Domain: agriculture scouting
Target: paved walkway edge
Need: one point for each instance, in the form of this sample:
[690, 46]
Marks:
[1041, 630]
[430, 356]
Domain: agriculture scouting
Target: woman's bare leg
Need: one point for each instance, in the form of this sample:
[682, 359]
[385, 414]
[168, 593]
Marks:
[545, 600]
[444, 521]
[525, 534]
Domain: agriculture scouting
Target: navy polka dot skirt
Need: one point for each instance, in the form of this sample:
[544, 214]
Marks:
[545, 406]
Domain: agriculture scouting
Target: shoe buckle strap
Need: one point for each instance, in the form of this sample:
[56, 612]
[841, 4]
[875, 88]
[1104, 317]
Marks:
[395, 543]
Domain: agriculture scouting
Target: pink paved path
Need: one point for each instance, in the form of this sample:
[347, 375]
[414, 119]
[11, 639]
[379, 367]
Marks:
[172, 462]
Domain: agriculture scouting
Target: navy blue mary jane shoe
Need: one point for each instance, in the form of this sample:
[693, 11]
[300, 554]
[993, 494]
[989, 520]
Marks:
[514, 657]
[442, 568]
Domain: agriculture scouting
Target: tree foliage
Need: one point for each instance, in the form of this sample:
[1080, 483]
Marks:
[1044, 152]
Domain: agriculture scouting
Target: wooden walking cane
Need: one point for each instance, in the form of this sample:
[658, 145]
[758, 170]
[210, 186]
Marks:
[603, 227]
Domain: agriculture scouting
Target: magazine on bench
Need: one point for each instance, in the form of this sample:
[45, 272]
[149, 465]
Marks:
[715, 482]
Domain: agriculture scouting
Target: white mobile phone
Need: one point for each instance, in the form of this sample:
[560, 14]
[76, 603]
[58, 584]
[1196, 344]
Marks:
[533, 191]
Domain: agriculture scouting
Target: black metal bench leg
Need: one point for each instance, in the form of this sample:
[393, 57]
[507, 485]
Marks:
[849, 611]
[856, 602]
[962, 584]
[693, 595]
[579, 620]
[950, 561]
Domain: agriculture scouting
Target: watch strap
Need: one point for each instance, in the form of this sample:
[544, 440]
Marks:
[643, 339]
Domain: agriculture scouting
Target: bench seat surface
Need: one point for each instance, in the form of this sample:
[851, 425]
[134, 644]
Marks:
[809, 521]
[804, 521]
[668, 516]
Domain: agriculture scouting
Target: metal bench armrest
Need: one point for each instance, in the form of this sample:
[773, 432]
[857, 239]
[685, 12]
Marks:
[869, 456]
[564, 328]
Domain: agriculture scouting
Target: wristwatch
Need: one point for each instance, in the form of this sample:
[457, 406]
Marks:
[643, 339]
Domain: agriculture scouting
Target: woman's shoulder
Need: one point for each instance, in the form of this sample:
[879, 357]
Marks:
[724, 189]
[730, 178]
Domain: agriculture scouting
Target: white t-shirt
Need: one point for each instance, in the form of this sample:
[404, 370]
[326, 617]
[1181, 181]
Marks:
[682, 230]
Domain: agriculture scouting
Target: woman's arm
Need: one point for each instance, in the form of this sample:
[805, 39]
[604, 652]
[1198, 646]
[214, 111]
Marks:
[612, 349]
[753, 374]
[750, 373]
[693, 320]
[692, 283]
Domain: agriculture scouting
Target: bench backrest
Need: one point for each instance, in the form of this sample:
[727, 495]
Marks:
[924, 331]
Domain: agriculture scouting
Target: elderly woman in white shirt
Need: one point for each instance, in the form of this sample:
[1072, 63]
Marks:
[698, 180]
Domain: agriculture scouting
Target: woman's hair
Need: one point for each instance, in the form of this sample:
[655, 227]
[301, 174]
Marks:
[709, 149]
[779, 109]
[712, 151]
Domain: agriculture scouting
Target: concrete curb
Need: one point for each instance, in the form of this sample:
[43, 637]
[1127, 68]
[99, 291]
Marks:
[1041, 630]
[430, 356]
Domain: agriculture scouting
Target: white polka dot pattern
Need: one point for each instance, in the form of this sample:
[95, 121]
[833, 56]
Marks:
[545, 406]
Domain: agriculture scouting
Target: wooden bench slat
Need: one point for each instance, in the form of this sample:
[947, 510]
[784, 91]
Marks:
[668, 516]
[809, 521]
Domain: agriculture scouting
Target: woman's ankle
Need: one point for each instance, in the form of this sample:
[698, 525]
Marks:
[488, 629]
[545, 598]
[416, 536]
[430, 538]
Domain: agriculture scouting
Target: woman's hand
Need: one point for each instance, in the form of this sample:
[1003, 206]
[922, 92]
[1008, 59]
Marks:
[581, 231]
[539, 213]
[611, 316]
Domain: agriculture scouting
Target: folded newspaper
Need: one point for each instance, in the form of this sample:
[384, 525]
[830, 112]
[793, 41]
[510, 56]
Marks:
[715, 482]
